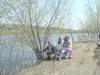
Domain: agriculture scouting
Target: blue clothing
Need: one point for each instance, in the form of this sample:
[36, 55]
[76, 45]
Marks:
[65, 54]
[65, 44]
[58, 53]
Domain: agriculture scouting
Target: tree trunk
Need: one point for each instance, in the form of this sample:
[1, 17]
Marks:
[99, 35]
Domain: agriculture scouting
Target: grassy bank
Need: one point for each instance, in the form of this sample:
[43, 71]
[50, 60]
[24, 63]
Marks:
[82, 63]
[13, 29]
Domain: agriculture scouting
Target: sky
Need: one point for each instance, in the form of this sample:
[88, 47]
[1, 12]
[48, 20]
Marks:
[78, 13]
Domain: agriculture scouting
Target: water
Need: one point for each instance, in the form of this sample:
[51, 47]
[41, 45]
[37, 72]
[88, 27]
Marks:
[15, 55]
[76, 37]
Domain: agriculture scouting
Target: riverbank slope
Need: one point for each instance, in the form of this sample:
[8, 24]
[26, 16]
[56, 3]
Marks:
[82, 63]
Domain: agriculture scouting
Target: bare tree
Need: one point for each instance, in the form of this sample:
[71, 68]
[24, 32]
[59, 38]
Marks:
[91, 24]
[30, 14]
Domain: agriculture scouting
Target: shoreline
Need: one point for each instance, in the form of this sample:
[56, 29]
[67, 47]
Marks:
[82, 55]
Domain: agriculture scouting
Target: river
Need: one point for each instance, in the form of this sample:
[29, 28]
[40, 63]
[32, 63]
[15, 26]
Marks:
[15, 55]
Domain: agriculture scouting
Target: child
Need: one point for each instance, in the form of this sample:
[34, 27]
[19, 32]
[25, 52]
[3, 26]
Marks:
[66, 48]
[59, 46]
[49, 50]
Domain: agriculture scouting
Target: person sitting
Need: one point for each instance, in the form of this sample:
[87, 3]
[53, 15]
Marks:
[59, 46]
[50, 49]
[66, 48]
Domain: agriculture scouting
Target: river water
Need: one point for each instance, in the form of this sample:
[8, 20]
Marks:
[15, 55]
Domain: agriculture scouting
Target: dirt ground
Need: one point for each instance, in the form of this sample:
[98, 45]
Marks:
[82, 63]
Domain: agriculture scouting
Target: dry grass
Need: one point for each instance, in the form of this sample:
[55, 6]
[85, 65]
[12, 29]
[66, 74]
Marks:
[82, 63]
